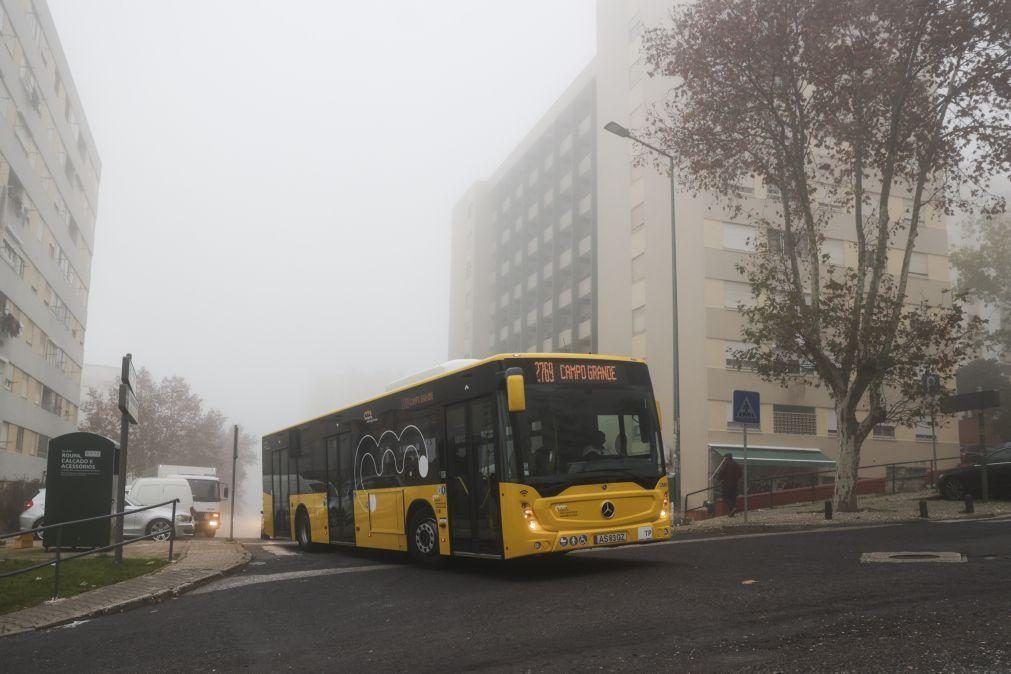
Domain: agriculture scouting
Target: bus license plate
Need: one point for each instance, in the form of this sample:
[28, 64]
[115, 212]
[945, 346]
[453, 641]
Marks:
[645, 533]
[605, 539]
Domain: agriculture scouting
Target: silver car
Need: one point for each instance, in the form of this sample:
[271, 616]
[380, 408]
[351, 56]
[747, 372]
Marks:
[152, 521]
[155, 521]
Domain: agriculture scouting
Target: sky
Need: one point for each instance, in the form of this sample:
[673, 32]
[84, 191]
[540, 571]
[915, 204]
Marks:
[278, 177]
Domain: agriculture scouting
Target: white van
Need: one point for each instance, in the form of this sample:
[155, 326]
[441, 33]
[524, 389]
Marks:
[152, 490]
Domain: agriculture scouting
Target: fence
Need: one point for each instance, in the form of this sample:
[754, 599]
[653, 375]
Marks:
[763, 492]
[55, 563]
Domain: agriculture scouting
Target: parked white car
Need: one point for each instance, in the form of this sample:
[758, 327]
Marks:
[35, 508]
[154, 520]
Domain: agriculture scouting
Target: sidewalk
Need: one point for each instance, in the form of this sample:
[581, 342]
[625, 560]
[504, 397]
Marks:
[200, 561]
[877, 509]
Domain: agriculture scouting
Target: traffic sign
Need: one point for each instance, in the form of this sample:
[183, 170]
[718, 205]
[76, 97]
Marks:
[747, 408]
[931, 382]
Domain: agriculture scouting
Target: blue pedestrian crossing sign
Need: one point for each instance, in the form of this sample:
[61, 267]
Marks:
[747, 408]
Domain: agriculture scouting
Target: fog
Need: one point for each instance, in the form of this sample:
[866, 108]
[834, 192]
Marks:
[277, 180]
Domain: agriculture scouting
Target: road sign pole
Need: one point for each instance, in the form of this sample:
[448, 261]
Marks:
[745, 472]
[933, 446]
[231, 508]
[982, 460]
[120, 505]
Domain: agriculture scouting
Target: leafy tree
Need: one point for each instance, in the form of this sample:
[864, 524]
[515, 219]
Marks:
[984, 271]
[174, 427]
[840, 107]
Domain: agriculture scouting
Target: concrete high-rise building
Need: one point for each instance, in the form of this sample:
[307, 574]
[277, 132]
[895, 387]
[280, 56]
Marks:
[49, 175]
[567, 247]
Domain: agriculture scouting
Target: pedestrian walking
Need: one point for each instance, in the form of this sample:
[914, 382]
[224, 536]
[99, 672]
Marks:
[729, 474]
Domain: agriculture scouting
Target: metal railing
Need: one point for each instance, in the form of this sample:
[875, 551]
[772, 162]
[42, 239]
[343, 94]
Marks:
[55, 563]
[890, 477]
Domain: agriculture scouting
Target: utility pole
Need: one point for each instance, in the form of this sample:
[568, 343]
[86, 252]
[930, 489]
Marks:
[128, 407]
[235, 491]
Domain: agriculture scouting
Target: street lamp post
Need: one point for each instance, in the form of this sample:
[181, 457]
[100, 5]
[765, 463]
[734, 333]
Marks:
[619, 130]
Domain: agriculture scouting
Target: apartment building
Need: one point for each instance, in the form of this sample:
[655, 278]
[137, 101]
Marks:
[49, 176]
[621, 288]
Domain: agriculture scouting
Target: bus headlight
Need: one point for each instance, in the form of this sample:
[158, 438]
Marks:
[531, 518]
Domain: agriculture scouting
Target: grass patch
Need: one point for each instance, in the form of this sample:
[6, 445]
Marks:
[76, 576]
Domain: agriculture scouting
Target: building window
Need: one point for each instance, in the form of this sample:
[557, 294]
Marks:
[585, 204]
[546, 309]
[736, 294]
[738, 237]
[835, 250]
[918, 264]
[637, 216]
[532, 281]
[733, 361]
[638, 320]
[794, 419]
[584, 165]
[565, 220]
[639, 267]
[12, 258]
[584, 245]
[884, 431]
[548, 271]
[924, 430]
[565, 259]
[831, 422]
[565, 298]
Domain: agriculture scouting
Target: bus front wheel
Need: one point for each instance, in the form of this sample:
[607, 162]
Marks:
[423, 538]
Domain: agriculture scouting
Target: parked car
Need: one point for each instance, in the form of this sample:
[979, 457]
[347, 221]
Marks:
[155, 521]
[137, 524]
[35, 508]
[955, 483]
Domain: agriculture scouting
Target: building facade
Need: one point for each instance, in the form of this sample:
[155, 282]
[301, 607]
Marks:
[49, 176]
[624, 283]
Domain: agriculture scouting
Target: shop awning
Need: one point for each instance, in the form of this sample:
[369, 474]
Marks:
[777, 456]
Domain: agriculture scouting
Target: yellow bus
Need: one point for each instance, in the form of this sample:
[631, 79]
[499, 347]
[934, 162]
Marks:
[505, 457]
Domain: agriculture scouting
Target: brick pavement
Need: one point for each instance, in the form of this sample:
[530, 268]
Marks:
[201, 561]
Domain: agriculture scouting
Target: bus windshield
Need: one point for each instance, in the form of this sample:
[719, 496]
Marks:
[581, 434]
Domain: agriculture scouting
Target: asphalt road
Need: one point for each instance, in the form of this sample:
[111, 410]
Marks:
[771, 602]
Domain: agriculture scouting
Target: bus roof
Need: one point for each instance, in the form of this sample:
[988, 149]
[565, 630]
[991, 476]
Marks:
[468, 366]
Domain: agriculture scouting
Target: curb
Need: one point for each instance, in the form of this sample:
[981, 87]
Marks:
[150, 598]
[714, 532]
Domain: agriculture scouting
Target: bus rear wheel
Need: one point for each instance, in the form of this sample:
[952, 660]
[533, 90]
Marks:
[303, 533]
[423, 538]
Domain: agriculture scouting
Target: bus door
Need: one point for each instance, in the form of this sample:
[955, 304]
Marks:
[282, 523]
[340, 516]
[472, 482]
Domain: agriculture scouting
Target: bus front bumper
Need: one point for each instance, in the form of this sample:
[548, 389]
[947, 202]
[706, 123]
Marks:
[540, 541]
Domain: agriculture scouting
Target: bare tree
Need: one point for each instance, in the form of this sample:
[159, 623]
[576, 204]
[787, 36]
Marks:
[174, 427]
[841, 107]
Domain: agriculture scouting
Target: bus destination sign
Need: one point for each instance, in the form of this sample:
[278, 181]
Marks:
[561, 372]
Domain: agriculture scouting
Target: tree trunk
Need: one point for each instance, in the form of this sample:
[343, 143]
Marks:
[844, 496]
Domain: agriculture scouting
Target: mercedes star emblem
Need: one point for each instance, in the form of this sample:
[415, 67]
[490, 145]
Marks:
[607, 509]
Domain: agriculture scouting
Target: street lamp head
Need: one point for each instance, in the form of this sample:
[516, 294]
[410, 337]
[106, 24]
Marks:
[617, 129]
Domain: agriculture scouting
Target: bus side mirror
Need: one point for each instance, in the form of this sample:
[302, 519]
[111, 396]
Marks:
[516, 390]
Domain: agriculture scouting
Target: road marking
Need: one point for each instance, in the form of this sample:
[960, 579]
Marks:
[716, 539]
[963, 520]
[913, 557]
[278, 550]
[242, 581]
